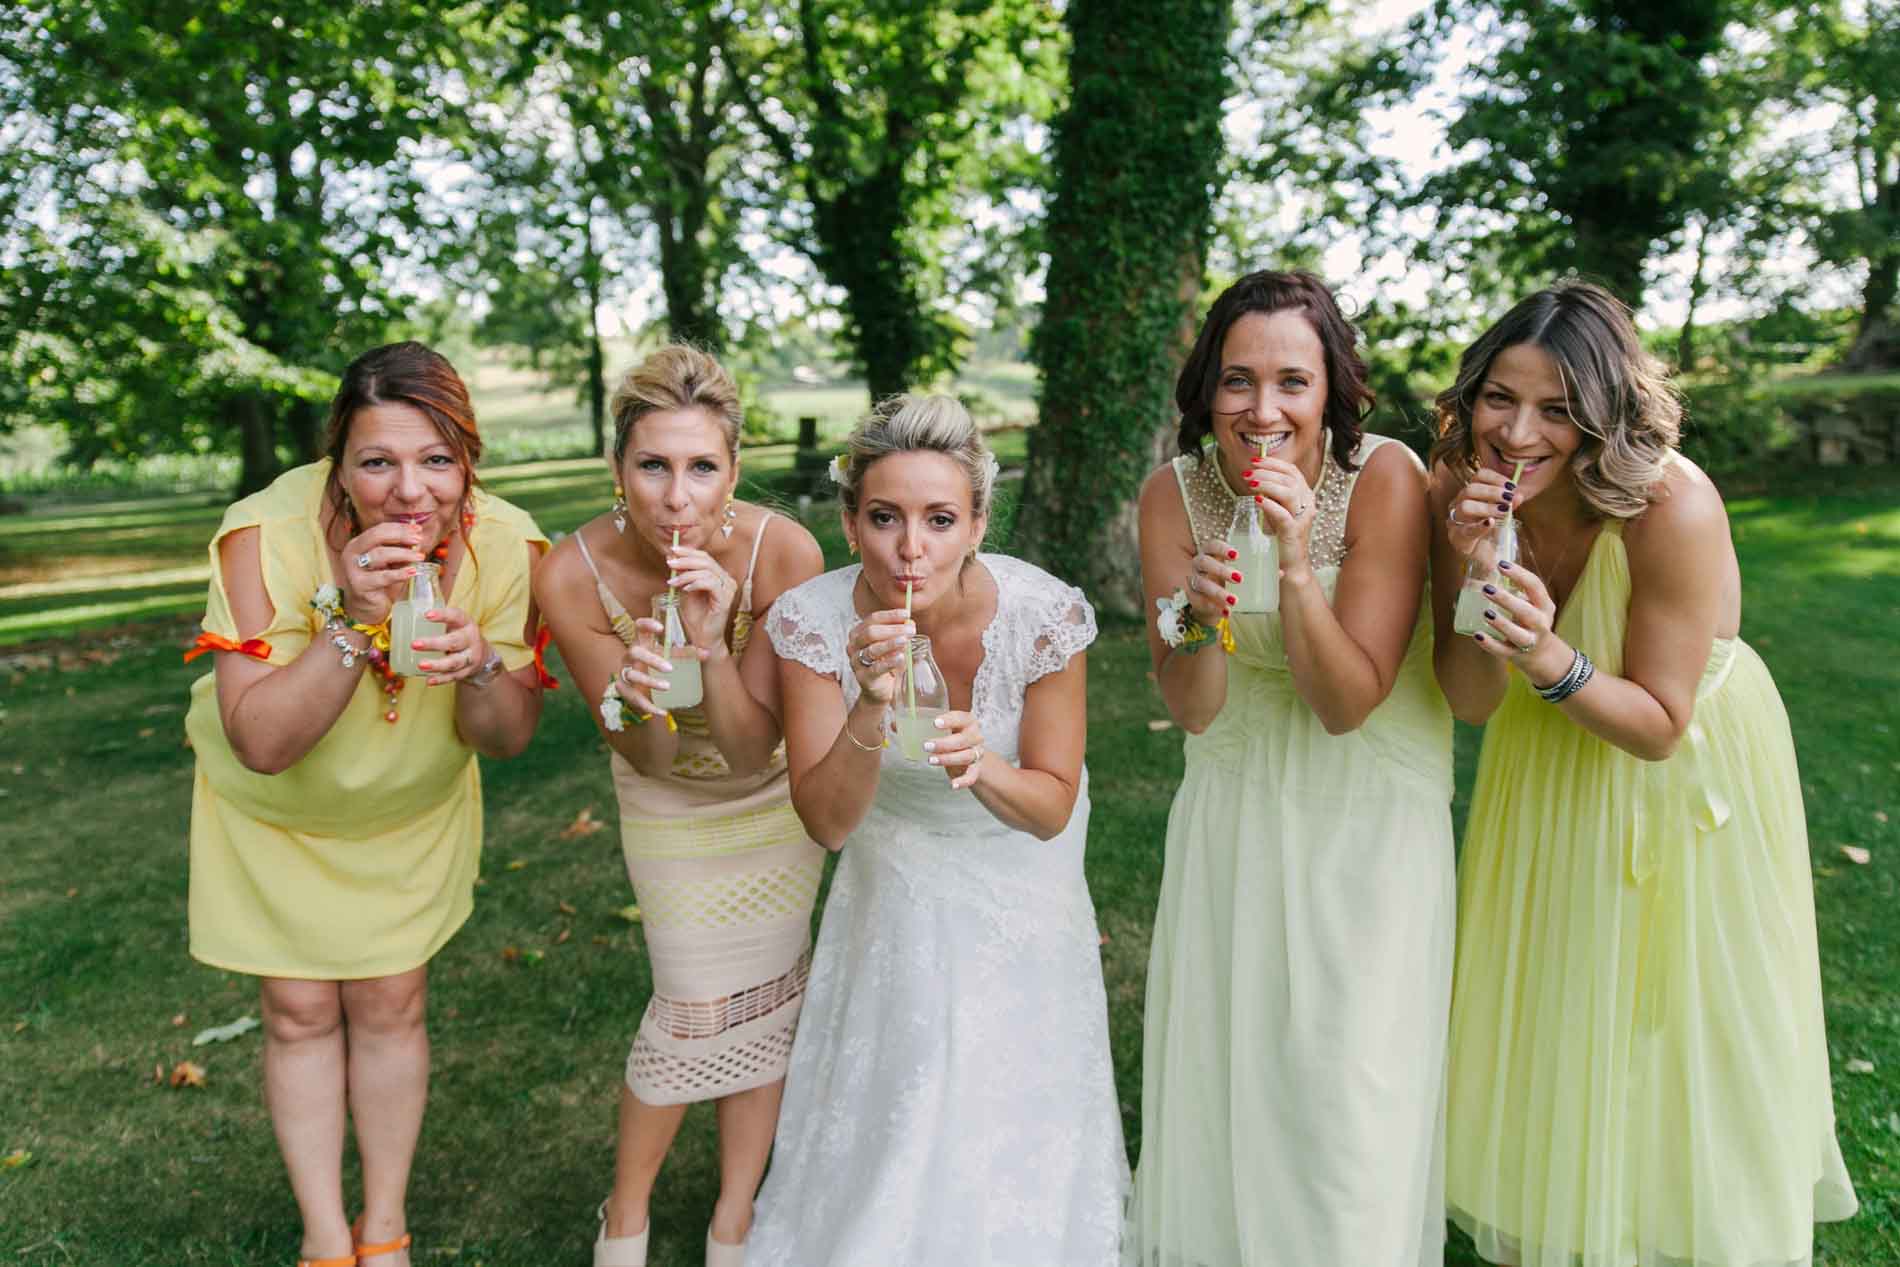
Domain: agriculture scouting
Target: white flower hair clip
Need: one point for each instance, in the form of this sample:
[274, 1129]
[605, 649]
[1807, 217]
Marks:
[991, 466]
[840, 466]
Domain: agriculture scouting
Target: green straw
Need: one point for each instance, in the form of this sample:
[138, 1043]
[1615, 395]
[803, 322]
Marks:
[910, 676]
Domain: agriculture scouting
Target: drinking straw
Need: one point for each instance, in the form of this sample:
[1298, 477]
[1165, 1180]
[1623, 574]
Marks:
[1517, 473]
[910, 677]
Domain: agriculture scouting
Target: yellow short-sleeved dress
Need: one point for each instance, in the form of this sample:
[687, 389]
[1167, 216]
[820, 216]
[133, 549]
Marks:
[1639, 1068]
[360, 860]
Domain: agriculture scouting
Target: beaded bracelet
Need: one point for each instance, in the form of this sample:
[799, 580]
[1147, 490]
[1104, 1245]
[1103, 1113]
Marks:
[1580, 671]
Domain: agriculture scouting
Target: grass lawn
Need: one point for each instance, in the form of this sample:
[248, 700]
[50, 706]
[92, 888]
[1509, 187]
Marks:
[533, 1004]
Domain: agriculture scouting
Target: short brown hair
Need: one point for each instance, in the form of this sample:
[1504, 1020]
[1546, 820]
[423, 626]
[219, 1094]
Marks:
[407, 373]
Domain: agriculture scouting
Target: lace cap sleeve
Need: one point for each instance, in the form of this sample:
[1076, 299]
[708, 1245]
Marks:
[803, 629]
[1064, 625]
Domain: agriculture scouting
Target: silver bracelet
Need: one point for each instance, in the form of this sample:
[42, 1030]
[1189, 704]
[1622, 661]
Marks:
[1580, 671]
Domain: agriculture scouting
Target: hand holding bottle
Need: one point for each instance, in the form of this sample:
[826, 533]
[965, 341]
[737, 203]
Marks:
[375, 568]
[1474, 512]
[1212, 573]
[643, 670]
[707, 593]
[1286, 503]
[957, 747]
[875, 647]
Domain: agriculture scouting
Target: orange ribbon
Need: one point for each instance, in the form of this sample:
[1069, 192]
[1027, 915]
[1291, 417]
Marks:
[548, 680]
[256, 648]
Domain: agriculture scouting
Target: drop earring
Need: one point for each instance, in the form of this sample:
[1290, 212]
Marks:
[620, 508]
[852, 547]
[732, 515]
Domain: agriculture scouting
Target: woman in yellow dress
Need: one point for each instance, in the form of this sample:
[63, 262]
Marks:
[336, 817]
[723, 870]
[1639, 1069]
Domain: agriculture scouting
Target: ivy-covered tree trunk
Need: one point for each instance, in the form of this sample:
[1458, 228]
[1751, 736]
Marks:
[1137, 157]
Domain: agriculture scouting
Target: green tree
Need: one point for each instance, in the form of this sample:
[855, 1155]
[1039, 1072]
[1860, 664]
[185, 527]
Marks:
[879, 112]
[1137, 161]
[1846, 62]
[1592, 122]
[278, 144]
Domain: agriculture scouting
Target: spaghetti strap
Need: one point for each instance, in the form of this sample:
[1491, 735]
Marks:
[752, 564]
[617, 614]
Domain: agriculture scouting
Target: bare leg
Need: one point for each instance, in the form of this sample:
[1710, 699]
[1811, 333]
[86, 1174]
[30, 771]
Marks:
[304, 1090]
[746, 1122]
[646, 1133]
[389, 1085]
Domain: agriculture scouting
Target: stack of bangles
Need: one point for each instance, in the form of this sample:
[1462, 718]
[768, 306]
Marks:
[1581, 670]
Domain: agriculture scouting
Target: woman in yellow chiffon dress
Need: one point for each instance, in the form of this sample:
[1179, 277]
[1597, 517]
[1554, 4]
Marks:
[1639, 1070]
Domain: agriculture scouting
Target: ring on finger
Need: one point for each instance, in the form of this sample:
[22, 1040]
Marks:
[1525, 648]
[1451, 517]
[864, 656]
[362, 561]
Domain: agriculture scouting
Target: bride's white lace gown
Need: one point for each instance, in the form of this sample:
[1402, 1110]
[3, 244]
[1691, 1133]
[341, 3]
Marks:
[950, 1099]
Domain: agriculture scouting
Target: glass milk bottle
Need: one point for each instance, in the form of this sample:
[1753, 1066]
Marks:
[1258, 589]
[407, 622]
[687, 688]
[1481, 569]
[922, 697]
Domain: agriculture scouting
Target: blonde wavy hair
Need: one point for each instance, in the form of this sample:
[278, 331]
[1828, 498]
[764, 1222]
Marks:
[677, 376]
[917, 424]
[1619, 395]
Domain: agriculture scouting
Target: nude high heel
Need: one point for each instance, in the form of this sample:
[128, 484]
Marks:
[620, 1251]
[720, 1254]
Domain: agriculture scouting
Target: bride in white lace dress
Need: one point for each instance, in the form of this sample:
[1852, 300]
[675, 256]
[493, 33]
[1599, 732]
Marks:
[950, 1098]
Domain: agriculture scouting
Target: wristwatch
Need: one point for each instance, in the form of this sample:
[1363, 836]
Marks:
[490, 670]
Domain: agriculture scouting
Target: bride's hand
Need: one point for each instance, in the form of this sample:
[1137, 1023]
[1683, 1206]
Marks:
[875, 647]
[959, 749]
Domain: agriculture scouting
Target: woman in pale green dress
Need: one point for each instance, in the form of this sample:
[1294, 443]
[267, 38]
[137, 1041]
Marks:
[1293, 1059]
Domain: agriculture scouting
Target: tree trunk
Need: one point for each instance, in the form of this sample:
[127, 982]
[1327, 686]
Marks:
[861, 249]
[250, 414]
[304, 421]
[1136, 166]
[596, 355]
[1698, 290]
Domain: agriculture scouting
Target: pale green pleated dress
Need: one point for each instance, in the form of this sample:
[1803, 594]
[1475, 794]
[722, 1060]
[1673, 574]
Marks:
[1300, 975]
[1639, 1070]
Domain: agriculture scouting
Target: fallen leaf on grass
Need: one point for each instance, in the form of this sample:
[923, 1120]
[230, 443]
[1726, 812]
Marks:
[1103, 941]
[629, 913]
[1880, 816]
[158, 1075]
[564, 934]
[1860, 1066]
[584, 824]
[516, 864]
[511, 954]
[1160, 724]
[564, 908]
[225, 1033]
[146, 732]
[603, 941]
[1856, 855]
[187, 1074]
[178, 1021]
[17, 1158]
[72, 892]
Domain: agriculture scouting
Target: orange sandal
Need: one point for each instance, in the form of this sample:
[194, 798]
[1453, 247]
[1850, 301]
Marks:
[327, 1262]
[372, 1251]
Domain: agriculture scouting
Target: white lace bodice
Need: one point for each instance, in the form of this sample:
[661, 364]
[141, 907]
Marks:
[1040, 622]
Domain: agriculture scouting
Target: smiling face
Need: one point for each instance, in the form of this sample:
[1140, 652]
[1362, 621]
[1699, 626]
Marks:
[1270, 398]
[1522, 414]
[397, 467]
[677, 474]
[914, 524]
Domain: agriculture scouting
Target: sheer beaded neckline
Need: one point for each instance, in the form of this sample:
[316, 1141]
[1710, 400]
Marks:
[1212, 502]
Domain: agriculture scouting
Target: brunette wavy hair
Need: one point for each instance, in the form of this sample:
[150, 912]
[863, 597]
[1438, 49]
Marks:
[1348, 397]
[412, 374]
[1619, 395]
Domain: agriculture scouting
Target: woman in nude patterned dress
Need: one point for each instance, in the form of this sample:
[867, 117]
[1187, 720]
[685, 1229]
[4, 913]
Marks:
[724, 872]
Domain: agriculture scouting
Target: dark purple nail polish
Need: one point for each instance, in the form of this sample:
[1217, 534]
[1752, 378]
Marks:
[1489, 614]
[1505, 564]
[1479, 637]
[1491, 590]
[1509, 486]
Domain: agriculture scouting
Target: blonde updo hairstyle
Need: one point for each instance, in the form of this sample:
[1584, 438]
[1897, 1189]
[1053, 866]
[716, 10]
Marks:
[918, 424]
[1619, 395]
[677, 376]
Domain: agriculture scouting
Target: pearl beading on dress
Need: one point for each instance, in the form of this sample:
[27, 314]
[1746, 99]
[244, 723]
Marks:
[1213, 505]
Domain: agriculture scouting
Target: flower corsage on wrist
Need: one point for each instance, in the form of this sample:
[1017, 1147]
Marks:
[614, 713]
[1182, 631]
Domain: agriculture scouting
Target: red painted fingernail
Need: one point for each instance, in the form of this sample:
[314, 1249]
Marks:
[1232, 599]
[1235, 575]
[1233, 554]
[1261, 501]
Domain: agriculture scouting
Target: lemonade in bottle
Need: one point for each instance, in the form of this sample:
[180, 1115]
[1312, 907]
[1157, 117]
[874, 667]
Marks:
[922, 697]
[407, 621]
[1258, 589]
[1481, 569]
[687, 687]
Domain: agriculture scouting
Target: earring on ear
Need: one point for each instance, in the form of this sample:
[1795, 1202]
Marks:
[620, 508]
[731, 515]
[851, 546]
